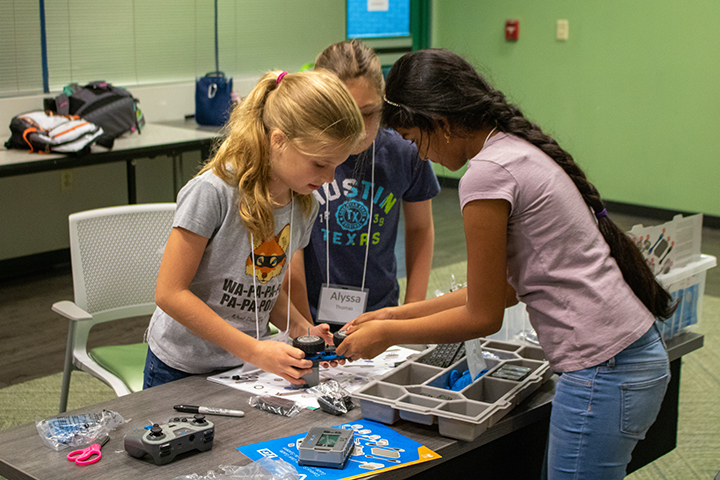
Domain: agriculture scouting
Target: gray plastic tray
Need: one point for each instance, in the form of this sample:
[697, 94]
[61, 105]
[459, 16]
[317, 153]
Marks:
[416, 392]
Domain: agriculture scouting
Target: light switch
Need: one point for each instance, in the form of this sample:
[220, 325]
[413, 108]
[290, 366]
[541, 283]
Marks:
[563, 30]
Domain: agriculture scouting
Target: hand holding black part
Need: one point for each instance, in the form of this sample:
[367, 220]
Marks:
[365, 338]
[315, 350]
[284, 360]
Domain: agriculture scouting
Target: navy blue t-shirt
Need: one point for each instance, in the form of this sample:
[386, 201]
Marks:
[400, 175]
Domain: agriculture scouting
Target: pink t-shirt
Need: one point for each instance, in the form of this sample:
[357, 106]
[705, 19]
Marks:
[557, 260]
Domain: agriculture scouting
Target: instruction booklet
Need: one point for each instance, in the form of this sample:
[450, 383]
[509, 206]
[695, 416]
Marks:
[378, 448]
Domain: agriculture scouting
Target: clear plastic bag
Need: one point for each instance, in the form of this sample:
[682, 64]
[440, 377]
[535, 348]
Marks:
[332, 397]
[77, 430]
[452, 287]
[276, 405]
[263, 469]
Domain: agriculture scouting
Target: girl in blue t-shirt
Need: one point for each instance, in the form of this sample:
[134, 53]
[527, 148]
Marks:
[354, 236]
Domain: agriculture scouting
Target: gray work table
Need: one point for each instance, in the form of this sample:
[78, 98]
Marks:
[154, 140]
[24, 456]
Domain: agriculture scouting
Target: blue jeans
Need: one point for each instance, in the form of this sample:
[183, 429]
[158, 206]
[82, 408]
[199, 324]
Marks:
[158, 372]
[600, 413]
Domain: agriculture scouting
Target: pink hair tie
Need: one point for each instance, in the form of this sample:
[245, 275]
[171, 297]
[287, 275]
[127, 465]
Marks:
[280, 77]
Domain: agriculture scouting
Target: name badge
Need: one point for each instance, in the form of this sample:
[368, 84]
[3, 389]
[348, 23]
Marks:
[340, 304]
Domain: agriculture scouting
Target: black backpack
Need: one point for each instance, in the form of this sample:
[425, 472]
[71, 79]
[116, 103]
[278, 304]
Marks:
[112, 108]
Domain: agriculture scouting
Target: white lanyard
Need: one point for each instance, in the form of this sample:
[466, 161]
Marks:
[289, 260]
[327, 224]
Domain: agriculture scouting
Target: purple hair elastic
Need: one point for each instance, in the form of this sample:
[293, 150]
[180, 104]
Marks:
[602, 213]
[280, 77]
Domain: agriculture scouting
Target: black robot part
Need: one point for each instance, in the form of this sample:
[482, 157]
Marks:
[310, 344]
[338, 337]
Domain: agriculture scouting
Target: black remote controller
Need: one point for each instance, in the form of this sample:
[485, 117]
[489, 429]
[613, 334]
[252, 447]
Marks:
[163, 442]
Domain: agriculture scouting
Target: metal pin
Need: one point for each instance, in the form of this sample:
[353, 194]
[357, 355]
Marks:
[292, 392]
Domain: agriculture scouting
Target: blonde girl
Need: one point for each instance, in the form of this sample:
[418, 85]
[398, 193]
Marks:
[237, 225]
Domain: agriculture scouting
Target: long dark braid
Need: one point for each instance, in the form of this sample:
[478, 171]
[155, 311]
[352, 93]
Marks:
[432, 88]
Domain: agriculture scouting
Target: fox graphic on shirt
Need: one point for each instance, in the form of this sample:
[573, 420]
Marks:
[270, 256]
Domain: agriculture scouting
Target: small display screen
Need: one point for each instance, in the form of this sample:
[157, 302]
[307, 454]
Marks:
[328, 440]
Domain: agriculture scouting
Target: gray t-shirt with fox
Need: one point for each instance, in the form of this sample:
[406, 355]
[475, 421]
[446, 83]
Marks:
[208, 206]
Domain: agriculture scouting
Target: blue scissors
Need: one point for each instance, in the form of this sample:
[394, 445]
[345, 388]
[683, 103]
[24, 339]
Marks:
[89, 455]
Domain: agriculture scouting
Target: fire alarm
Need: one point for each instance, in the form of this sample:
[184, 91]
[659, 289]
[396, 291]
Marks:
[512, 29]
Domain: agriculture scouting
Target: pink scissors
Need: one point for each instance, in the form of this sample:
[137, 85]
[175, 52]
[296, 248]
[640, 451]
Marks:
[91, 454]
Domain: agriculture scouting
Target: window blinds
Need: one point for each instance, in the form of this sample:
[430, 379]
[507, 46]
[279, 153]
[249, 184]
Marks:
[137, 42]
[128, 42]
[20, 48]
[261, 35]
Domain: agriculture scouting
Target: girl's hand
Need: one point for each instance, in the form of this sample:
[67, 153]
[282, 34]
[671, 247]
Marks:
[387, 313]
[283, 360]
[323, 331]
[367, 339]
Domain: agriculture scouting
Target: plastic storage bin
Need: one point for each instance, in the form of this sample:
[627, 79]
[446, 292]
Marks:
[416, 392]
[686, 285]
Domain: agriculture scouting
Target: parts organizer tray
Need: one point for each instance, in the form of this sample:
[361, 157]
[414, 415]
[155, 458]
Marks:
[415, 391]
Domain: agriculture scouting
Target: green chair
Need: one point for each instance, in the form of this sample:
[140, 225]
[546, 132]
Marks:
[115, 254]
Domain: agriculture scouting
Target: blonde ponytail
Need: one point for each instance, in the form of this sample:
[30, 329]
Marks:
[316, 113]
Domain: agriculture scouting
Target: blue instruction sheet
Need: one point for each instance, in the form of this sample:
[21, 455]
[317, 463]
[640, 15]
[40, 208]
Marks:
[377, 448]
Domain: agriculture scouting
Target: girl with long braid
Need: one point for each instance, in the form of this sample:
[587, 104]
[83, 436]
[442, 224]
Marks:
[537, 232]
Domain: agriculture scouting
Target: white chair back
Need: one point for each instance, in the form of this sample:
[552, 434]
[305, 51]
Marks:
[116, 254]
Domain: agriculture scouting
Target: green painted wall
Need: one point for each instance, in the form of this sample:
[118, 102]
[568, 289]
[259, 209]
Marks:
[634, 94]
